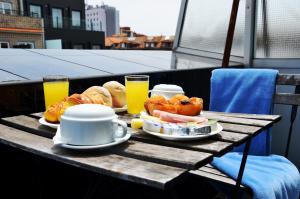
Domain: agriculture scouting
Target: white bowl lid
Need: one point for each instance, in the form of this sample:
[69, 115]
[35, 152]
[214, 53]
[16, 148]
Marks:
[168, 87]
[89, 112]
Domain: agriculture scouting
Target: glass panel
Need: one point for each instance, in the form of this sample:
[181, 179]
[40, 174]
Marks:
[4, 45]
[35, 11]
[76, 18]
[278, 29]
[6, 8]
[206, 23]
[57, 21]
[77, 46]
[25, 44]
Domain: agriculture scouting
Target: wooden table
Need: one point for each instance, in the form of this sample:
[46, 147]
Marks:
[144, 159]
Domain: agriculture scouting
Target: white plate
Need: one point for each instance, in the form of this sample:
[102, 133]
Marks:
[58, 142]
[186, 137]
[51, 125]
[120, 110]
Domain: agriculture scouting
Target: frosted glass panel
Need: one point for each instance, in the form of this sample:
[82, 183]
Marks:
[278, 29]
[206, 23]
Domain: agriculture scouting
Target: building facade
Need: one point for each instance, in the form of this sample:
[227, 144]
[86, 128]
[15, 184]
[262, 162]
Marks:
[104, 18]
[64, 23]
[112, 20]
[128, 39]
[18, 31]
[95, 18]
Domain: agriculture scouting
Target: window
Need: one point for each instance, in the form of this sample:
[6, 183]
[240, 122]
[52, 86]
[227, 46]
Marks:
[278, 29]
[204, 30]
[76, 18]
[96, 46]
[25, 44]
[78, 46]
[4, 44]
[101, 26]
[123, 45]
[35, 11]
[57, 20]
[5, 8]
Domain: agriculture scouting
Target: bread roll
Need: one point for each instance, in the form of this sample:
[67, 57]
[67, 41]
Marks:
[117, 92]
[99, 95]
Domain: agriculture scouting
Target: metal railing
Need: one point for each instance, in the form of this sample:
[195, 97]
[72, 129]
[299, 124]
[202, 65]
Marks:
[19, 13]
[66, 23]
[55, 22]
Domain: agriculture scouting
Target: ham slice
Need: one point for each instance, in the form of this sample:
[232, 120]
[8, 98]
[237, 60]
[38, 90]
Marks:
[175, 118]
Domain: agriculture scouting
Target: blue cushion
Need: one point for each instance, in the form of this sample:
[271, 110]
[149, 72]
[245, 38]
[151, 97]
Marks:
[251, 91]
[270, 177]
[245, 91]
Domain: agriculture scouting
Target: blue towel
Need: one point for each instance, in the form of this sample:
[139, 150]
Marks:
[270, 177]
[251, 91]
[245, 91]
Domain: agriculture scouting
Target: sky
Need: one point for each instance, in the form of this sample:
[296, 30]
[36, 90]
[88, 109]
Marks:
[150, 17]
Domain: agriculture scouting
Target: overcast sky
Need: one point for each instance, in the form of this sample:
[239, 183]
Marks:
[151, 17]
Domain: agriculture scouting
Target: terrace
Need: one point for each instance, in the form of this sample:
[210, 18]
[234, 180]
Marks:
[36, 169]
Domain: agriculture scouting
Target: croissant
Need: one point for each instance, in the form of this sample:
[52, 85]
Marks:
[93, 95]
[179, 104]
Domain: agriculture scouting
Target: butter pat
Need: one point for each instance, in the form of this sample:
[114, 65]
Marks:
[136, 123]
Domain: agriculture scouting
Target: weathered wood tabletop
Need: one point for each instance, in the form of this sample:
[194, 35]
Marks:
[143, 159]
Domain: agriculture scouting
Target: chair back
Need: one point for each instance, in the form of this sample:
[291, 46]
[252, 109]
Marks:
[292, 99]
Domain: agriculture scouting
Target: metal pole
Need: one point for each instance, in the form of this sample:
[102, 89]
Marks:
[230, 33]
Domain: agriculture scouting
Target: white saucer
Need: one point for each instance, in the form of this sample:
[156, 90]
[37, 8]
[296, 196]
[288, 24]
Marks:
[58, 142]
[51, 125]
[185, 137]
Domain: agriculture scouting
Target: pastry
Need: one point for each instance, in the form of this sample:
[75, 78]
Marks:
[99, 95]
[179, 104]
[117, 92]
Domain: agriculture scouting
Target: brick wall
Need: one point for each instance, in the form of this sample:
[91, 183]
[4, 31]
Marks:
[20, 32]
[11, 21]
[13, 38]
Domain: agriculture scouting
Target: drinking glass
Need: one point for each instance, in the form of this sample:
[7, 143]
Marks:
[137, 87]
[56, 88]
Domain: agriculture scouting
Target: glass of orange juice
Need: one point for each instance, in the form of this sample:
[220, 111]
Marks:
[56, 88]
[137, 87]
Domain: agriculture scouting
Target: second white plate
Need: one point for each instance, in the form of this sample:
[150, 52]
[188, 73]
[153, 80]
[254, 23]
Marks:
[51, 125]
[185, 137]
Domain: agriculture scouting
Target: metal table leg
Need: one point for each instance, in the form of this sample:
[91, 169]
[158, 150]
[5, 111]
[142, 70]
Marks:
[242, 169]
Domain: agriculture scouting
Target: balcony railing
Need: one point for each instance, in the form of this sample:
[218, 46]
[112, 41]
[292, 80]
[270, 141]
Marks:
[18, 13]
[51, 22]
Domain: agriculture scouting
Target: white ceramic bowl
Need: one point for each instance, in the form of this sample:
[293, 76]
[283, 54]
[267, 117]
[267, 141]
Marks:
[166, 90]
[90, 124]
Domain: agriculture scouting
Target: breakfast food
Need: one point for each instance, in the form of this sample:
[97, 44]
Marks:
[178, 104]
[99, 95]
[178, 125]
[176, 118]
[93, 95]
[117, 92]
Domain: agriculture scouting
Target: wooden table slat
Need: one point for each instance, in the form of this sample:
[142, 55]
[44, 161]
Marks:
[29, 124]
[152, 174]
[243, 115]
[205, 145]
[240, 128]
[226, 136]
[237, 120]
[164, 155]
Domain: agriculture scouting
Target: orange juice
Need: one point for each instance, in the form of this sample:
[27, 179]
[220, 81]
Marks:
[136, 94]
[55, 91]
